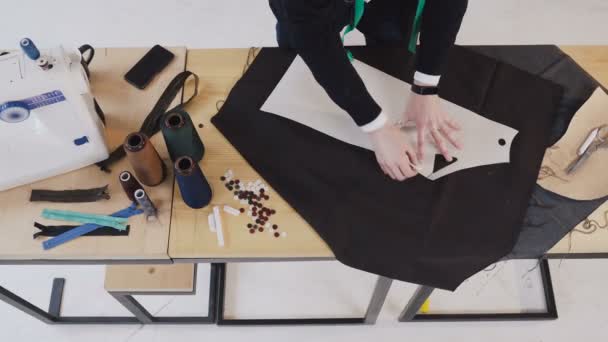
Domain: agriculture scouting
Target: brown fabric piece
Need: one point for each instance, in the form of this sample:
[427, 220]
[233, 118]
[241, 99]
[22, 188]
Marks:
[144, 159]
[589, 180]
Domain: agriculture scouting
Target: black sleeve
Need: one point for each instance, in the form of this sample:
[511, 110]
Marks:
[312, 33]
[441, 22]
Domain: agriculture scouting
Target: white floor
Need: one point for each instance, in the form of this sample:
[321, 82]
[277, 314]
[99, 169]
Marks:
[320, 289]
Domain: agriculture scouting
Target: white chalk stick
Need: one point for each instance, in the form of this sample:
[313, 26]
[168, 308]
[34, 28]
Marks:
[230, 210]
[211, 221]
[218, 226]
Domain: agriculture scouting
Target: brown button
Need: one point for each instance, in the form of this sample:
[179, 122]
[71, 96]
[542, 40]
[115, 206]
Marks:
[242, 210]
[231, 182]
[222, 178]
[237, 181]
[200, 126]
[249, 225]
[260, 229]
[274, 226]
[277, 234]
[262, 190]
[252, 231]
[230, 188]
[272, 212]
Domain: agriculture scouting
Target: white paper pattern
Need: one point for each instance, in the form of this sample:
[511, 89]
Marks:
[300, 98]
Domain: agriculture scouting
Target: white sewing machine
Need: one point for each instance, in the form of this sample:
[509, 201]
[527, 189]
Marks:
[48, 122]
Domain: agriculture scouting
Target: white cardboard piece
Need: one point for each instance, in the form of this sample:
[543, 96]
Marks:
[300, 98]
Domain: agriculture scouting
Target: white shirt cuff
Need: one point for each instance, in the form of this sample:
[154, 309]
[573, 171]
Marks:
[432, 80]
[376, 124]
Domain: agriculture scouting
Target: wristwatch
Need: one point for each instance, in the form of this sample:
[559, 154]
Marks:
[425, 90]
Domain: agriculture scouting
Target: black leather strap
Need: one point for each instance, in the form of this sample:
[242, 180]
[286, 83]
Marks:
[151, 124]
[423, 90]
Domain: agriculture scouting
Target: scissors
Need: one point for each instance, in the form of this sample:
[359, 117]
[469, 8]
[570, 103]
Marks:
[597, 138]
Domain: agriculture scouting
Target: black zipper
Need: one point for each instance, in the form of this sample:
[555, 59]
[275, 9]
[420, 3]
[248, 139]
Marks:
[70, 196]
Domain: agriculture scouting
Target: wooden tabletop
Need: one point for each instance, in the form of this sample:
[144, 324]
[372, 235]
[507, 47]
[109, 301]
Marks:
[125, 108]
[190, 237]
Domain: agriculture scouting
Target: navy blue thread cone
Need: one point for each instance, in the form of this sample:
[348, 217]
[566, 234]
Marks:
[192, 183]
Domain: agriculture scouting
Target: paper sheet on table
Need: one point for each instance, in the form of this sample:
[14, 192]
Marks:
[300, 98]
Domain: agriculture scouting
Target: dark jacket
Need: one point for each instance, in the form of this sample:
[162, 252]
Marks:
[312, 28]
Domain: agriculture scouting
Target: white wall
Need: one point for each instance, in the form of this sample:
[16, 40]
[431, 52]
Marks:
[241, 23]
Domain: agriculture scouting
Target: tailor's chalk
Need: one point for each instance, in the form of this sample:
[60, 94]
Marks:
[211, 221]
[146, 204]
[29, 48]
[86, 228]
[230, 210]
[218, 226]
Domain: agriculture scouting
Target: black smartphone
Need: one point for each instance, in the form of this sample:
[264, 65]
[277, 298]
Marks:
[152, 63]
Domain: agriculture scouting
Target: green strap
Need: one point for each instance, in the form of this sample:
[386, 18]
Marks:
[416, 26]
[359, 8]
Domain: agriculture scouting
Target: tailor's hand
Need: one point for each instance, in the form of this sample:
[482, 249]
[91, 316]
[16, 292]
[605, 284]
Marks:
[395, 156]
[430, 119]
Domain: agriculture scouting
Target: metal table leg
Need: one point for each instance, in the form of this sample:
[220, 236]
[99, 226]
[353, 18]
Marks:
[410, 313]
[378, 297]
[53, 316]
[413, 306]
[25, 306]
[143, 316]
[383, 284]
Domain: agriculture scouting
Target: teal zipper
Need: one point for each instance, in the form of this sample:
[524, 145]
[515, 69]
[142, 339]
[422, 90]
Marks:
[73, 216]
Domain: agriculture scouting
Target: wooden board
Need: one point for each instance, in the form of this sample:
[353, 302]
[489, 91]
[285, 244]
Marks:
[150, 278]
[590, 236]
[190, 237]
[125, 108]
[594, 59]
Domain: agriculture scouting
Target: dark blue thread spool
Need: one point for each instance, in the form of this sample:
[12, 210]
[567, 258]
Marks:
[29, 48]
[192, 183]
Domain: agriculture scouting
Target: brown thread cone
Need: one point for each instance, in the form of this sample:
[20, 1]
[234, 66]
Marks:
[144, 159]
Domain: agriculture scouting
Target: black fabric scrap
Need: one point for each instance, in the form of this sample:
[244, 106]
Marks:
[432, 233]
[57, 230]
[550, 63]
[550, 216]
